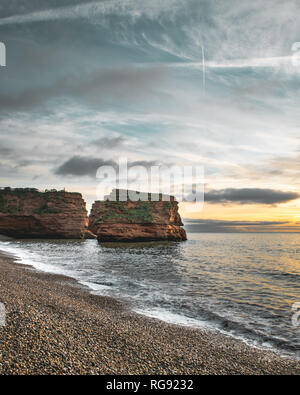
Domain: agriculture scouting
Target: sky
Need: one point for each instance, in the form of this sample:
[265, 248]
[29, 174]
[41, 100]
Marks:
[208, 83]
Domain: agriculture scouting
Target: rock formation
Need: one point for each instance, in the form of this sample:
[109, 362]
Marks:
[28, 213]
[125, 221]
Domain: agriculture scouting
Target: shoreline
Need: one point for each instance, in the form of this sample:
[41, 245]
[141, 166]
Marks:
[56, 326]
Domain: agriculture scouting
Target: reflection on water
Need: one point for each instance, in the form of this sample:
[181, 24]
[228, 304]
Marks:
[242, 284]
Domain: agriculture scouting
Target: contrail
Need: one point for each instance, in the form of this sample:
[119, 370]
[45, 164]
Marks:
[238, 63]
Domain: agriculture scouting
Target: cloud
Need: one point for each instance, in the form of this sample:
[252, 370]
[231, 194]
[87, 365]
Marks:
[231, 223]
[98, 87]
[272, 62]
[284, 165]
[95, 8]
[5, 151]
[81, 166]
[250, 196]
[109, 143]
[85, 166]
[216, 226]
[74, 62]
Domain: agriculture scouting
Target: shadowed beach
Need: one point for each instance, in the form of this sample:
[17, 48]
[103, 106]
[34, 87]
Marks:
[55, 326]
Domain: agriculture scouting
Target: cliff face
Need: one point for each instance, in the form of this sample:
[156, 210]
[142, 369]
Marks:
[28, 213]
[136, 221]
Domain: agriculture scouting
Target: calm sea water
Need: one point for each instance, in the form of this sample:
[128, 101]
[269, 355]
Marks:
[243, 285]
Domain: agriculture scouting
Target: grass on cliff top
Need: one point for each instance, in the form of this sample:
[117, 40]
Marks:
[15, 207]
[32, 191]
[138, 214]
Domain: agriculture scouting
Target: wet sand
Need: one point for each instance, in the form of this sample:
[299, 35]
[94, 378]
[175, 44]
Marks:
[55, 326]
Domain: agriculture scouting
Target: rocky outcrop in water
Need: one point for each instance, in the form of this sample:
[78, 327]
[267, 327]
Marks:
[131, 221]
[28, 213]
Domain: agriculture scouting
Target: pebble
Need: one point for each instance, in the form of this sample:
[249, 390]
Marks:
[56, 327]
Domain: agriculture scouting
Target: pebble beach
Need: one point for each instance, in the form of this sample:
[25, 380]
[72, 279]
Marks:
[55, 326]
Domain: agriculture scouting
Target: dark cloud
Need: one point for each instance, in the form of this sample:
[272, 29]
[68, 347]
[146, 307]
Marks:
[5, 151]
[231, 223]
[250, 196]
[216, 226]
[83, 166]
[109, 143]
[101, 86]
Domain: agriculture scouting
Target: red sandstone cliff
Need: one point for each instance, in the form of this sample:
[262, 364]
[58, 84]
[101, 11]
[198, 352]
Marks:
[28, 213]
[136, 221]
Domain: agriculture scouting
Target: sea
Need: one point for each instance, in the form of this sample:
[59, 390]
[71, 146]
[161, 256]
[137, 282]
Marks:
[246, 286]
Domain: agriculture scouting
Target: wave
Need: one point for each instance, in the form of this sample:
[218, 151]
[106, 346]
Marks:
[145, 298]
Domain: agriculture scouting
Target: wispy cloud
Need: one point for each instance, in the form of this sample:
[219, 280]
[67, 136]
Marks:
[108, 142]
[132, 8]
[115, 78]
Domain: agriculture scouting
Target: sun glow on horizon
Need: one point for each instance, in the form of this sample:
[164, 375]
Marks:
[282, 216]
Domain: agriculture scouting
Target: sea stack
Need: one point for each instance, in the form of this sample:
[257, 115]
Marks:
[29, 213]
[152, 218]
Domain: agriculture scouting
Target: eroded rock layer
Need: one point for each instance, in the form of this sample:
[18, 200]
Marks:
[136, 221]
[28, 213]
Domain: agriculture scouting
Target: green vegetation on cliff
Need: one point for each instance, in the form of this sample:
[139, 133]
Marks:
[167, 206]
[7, 207]
[117, 210]
[21, 192]
[44, 210]
[12, 200]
